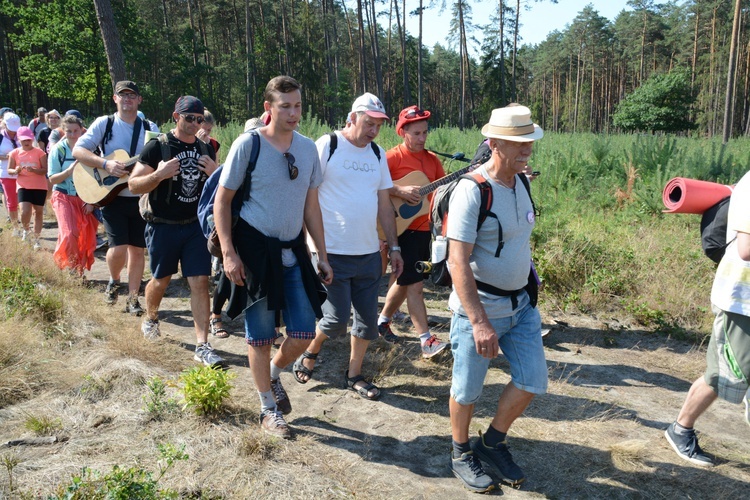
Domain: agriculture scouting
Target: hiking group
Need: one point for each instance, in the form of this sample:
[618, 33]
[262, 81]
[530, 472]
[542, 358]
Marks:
[308, 259]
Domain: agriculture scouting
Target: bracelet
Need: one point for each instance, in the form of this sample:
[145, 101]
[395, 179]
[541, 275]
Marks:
[105, 165]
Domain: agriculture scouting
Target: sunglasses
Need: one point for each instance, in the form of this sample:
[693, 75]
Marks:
[414, 113]
[293, 170]
[127, 95]
[193, 118]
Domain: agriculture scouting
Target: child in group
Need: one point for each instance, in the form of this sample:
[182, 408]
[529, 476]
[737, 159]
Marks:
[30, 164]
[76, 237]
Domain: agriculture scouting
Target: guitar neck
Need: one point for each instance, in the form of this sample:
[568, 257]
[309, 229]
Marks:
[428, 188]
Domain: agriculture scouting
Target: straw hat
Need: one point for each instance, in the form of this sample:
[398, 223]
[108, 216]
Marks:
[512, 123]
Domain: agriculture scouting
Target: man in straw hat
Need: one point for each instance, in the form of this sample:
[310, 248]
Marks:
[492, 310]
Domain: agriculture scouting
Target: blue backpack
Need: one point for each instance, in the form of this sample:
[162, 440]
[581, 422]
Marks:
[208, 197]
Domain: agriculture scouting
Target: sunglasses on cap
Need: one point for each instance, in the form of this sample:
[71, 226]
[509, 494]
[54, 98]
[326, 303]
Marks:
[293, 170]
[414, 113]
[193, 118]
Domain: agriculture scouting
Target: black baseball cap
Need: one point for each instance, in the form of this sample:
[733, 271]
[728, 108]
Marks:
[126, 85]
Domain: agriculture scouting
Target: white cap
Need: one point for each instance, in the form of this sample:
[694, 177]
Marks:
[370, 104]
[12, 121]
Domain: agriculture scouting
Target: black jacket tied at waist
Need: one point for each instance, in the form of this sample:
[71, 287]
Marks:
[261, 256]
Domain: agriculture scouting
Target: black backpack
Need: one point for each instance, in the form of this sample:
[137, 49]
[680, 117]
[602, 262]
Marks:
[335, 142]
[714, 230]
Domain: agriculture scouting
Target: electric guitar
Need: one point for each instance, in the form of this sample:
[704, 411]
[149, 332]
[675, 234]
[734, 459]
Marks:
[95, 185]
[406, 213]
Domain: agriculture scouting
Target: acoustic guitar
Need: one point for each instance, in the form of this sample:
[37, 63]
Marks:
[406, 213]
[95, 185]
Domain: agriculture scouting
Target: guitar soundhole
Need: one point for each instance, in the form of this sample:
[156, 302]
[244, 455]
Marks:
[407, 211]
[109, 180]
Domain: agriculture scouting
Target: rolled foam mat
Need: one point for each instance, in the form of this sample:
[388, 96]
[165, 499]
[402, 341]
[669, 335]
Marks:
[689, 196]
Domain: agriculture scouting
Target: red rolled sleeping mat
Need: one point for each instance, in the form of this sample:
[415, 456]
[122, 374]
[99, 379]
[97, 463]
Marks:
[689, 196]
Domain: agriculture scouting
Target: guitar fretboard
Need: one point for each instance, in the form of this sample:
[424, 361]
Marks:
[428, 188]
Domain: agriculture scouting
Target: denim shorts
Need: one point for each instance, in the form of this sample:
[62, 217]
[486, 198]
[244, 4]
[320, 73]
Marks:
[520, 340]
[356, 279]
[298, 314]
[170, 245]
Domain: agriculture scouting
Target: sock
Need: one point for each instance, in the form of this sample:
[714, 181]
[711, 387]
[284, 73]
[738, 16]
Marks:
[493, 437]
[424, 337]
[267, 401]
[113, 281]
[383, 319]
[275, 371]
[680, 429]
[459, 448]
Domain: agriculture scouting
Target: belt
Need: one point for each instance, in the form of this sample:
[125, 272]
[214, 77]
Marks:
[159, 220]
[493, 290]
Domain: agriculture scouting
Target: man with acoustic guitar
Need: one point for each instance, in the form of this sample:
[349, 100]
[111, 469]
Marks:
[122, 220]
[412, 166]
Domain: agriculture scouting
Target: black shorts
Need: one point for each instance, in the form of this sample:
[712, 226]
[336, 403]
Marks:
[415, 247]
[34, 196]
[124, 223]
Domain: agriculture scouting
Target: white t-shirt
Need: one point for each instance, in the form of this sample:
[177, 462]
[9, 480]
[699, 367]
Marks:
[731, 288]
[349, 196]
[6, 146]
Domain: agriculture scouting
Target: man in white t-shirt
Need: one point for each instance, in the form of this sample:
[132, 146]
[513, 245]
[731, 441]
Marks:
[728, 355]
[354, 196]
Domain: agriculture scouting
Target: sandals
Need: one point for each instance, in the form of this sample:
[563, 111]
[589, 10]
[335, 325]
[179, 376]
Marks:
[363, 391]
[298, 367]
[220, 333]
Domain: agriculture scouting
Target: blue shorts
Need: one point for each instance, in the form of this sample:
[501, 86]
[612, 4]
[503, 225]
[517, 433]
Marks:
[298, 314]
[356, 279]
[170, 245]
[520, 340]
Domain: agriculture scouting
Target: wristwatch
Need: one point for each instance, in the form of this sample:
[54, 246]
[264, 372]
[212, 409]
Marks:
[394, 249]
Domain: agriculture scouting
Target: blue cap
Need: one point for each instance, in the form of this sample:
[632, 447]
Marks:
[75, 113]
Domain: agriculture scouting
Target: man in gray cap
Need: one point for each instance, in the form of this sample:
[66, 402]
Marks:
[122, 220]
[173, 236]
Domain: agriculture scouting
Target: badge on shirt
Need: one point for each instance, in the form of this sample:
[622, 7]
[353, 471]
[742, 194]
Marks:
[530, 216]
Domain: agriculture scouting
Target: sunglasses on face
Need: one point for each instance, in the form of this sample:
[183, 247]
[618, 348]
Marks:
[127, 95]
[293, 170]
[193, 118]
[414, 113]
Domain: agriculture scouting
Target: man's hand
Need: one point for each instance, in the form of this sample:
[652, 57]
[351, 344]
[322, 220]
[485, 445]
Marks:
[325, 272]
[207, 165]
[410, 194]
[485, 340]
[397, 263]
[116, 168]
[234, 269]
[167, 169]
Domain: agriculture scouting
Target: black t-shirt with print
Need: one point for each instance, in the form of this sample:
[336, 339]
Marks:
[177, 198]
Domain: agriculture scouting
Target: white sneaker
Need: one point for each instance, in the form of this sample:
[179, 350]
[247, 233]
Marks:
[17, 233]
[25, 235]
[37, 246]
[747, 407]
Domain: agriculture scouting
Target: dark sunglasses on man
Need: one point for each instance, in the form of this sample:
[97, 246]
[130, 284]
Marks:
[193, 118]
[293, 170]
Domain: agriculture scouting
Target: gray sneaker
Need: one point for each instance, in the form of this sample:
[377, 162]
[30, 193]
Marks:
[469, 470]
[281, 397]
[205, 354]
[433, 347]
[133, 306]
[500, 459]
[273, 423]
[111, 292]
[686, 446]
[384, 329]
[150, 329]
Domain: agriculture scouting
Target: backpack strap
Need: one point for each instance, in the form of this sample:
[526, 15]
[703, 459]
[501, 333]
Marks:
[333, 145]
[254, 152]
[108, 131]
[485, 204]
[335, 142]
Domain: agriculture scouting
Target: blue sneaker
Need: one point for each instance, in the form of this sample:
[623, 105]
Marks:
[686, 446]
[468, 469]
[499, 459]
